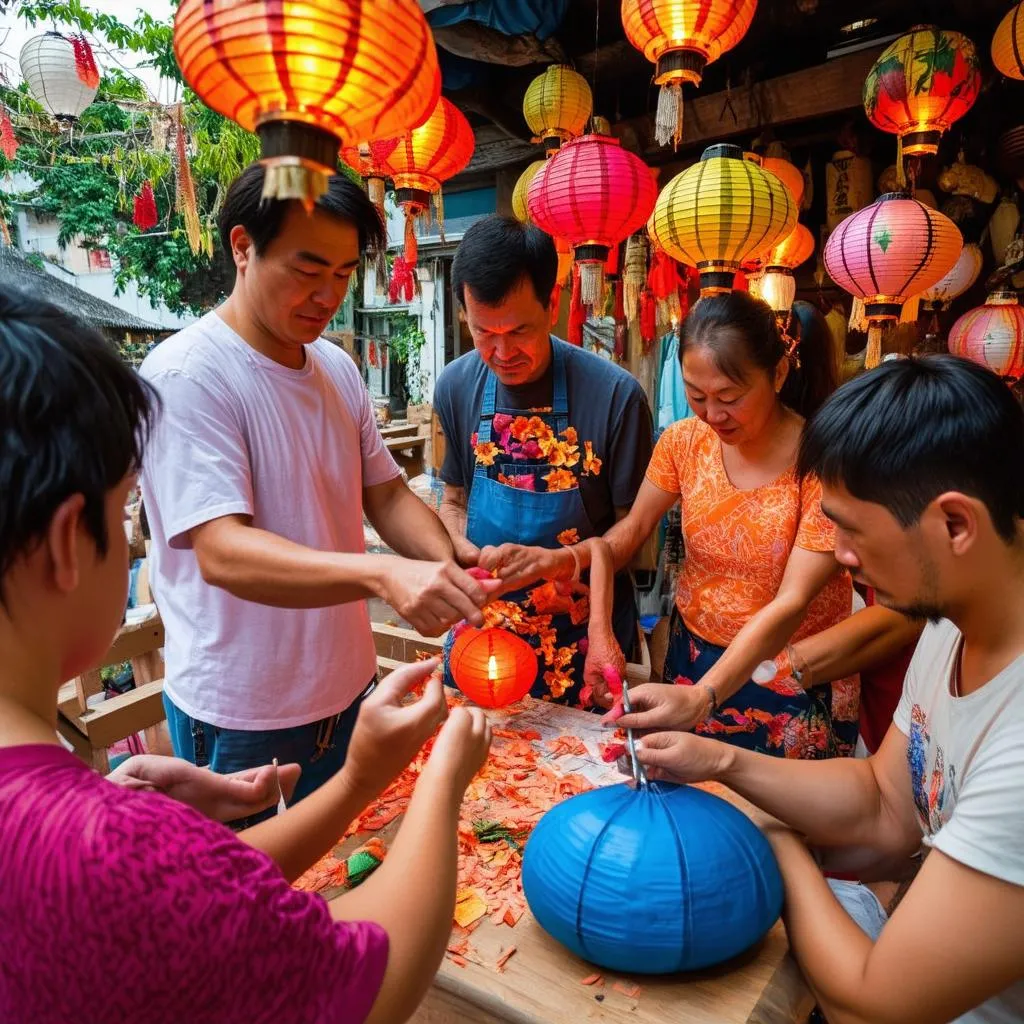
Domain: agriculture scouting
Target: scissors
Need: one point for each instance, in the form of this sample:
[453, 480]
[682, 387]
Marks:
[639, 772]
[281, 805]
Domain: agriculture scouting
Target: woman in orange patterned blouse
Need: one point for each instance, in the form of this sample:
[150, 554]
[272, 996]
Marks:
[759, 570]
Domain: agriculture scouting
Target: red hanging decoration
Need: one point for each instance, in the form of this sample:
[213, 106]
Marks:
[373, 354]
[662, 278]
[403, 284]
[85, 62]
[648, 318]
[8, 143]
[620, 321]
[144, 214]
[739, 282]
[577, 314]
[383, 357]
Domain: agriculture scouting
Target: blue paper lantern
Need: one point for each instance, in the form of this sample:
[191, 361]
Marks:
[651, 880]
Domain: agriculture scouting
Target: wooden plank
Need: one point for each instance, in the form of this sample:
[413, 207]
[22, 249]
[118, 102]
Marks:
[399, 430]
[136, 639]
[121, 716]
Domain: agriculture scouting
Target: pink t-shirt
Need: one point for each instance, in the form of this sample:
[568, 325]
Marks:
[126, 906]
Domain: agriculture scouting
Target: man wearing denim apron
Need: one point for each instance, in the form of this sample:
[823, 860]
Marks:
[546, 444]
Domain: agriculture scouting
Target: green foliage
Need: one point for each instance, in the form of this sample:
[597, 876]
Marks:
[405, 339]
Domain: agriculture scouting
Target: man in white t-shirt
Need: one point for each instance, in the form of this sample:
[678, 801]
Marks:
[264, 459]
[922, 464]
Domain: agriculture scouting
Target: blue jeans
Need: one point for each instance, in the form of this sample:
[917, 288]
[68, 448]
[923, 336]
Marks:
[318, 748]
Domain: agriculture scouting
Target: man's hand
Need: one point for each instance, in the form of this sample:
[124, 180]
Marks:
[434, 595]
[519, 566]
[467, 554]
[681, 757]
[221, 797]
[461, 749]
[663, 706]
[390, 733]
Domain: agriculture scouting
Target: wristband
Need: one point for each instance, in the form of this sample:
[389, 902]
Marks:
[575, 578]
[798, 667]
[714, 699]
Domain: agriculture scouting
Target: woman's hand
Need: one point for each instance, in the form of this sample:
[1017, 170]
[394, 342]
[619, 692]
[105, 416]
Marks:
[518, 566]
[681, 757]
[663, 706]
[602, 650]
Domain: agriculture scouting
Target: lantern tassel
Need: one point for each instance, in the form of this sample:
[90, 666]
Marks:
[411, 245]
[8, 142]
[634, 275]
[592, 284]
[144, 213]
[668, 123]
[911, 309]
[286, 180]
[858, 316]
[403, 282]
[439, 214]
[577, 314]
[85, 62]
[186, 194]
[874, 350]
[380, 271]
[648, 318]
[375, 190]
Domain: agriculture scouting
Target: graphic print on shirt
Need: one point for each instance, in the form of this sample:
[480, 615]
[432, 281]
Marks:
[934, 792]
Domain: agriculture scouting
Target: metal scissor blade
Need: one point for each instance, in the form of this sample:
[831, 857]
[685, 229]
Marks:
[639, 773]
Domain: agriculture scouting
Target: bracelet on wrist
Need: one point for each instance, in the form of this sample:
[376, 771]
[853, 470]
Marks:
[712, 699]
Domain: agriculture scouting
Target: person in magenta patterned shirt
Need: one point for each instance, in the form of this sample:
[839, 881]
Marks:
[123, 899]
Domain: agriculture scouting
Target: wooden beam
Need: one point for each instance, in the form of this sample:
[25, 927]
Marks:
[118, 717]
[136, 639]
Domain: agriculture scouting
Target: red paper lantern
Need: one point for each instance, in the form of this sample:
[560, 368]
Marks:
[993, 335]
[424, 158]
[593, 194]
[308, 77]
[681, 37]
[920, 85]
[889, 252]
[492, 667]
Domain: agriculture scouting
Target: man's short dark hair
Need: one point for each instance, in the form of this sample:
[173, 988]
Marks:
[263, 218]
[915, 428]
[73, 420]
[496, 253]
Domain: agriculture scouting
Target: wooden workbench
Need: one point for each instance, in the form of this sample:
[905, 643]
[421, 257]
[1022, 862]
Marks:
[541, 982]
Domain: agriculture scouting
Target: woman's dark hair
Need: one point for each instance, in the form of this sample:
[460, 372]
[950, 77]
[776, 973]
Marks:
[73, 420]
[496, 253]
[263, 218]
[742, 331]
[914, 428]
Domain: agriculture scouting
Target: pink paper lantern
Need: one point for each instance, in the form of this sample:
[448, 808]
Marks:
[993, 335]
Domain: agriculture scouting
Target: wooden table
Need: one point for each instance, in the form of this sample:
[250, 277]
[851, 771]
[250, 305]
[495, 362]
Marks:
[541, 981]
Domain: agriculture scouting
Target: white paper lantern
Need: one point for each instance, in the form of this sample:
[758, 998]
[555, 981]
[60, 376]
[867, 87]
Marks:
[956, 282]
[49, 69]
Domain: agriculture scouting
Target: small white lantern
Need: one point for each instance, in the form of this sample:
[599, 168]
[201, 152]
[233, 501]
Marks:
[51, 73]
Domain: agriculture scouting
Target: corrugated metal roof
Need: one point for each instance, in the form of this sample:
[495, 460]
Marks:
[16, 270]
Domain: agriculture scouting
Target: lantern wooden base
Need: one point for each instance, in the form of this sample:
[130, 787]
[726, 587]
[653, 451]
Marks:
[921, 143]
[680, 66]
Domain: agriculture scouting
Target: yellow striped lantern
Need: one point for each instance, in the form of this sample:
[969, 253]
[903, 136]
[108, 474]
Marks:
[720, 213]
[557, 106]
[522, 186]
[888, 253]
[1008, 44]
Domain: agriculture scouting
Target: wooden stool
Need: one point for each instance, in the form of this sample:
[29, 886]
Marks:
[91, 730]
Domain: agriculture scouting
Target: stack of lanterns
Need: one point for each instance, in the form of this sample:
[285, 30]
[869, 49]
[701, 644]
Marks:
[309, 78]
[993, 335]
[681, 37]
[721, 213]
[887, 253]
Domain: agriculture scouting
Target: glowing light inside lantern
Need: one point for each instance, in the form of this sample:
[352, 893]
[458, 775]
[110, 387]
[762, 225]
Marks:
[492, 668]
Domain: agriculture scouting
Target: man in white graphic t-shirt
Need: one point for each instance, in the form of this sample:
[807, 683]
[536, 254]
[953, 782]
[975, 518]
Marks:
[264, 459]
[922, 465]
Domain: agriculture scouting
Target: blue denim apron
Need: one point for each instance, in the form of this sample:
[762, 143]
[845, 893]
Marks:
[500, 514]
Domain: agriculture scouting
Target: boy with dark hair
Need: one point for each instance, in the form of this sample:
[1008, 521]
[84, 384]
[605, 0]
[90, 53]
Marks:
[922, 464]
[207, 928]
[261, 466]
[546, 444]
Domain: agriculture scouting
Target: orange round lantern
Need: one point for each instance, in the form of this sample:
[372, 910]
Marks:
[776, 285]
[492, 667]
[993, 335]
[920, 85]
[681, 37]
[309, 77]
[790, 175]
[1008, 44]
[424, 158]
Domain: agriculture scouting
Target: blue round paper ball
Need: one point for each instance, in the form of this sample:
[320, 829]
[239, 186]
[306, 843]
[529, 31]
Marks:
[651, 880]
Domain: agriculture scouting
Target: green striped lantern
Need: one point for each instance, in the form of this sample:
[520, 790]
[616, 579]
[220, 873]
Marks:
[720, 213]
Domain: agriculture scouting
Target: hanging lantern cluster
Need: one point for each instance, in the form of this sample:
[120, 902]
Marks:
[310, 77]
[920, 85]
[993, 335]
[681, 37]
[964, 273]
[557, 106]
[424, 158]
[720, 213]
[888, 252]
[1008, 44]
[492, 667]
[775, 284]
[593, 194]
[61, 74]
